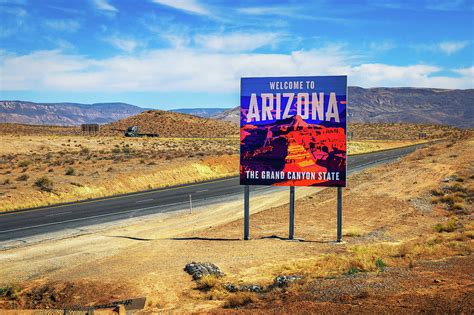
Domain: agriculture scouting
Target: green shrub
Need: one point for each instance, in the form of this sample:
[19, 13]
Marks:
[22, 178]
[10, 292]
[353, 271]
[450, 226]
[44, 184]
[25, 163]
[380, 264]
[69, 171]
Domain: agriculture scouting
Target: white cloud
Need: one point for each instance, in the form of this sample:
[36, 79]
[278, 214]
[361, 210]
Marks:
[446, 47]
[105, 6]
[191, 6]
[127, 45]
[451, 47]
[65, 25]
[466, 72]
[194, 70]
[382, 46]
[274, 10]
[236, 42]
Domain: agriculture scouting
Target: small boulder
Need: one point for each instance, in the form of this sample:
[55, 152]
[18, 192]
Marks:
[283, 281]
[198, 270]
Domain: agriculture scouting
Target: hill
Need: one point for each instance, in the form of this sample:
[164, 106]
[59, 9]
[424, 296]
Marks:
[200, 112]
[170, 124]
[402, 105]
[64, 114]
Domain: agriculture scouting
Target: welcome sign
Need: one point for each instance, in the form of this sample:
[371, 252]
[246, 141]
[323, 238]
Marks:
[293, 131]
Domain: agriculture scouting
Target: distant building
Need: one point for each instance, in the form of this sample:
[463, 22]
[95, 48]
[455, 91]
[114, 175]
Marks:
[90, 129]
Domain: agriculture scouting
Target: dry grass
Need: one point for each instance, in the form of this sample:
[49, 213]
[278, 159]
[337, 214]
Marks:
[43, 170]
[240, 299]
[375, 257]
[354, 231]
[399, 131]
[359, 147]
[208, 282]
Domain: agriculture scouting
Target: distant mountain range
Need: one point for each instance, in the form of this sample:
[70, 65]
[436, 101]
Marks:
[408, 105]
[200, 112]
[386, 105]
[64, 114]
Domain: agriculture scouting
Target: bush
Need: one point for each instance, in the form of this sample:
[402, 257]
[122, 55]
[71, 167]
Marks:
[437, 192]
[353, 271]
[10, 292]
[44, 184]
[22, 178]
[69, 171]
[207, 282]
[450, 226]
[24, 163]
[240, 299]
[6, 181]
[380, 264]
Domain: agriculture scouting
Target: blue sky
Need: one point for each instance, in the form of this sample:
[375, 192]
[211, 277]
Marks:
[192, 53]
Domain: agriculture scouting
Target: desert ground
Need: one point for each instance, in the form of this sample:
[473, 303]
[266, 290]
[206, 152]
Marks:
[408, 242]
[44, 165]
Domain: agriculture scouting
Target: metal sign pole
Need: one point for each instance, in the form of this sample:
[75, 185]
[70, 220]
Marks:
[339, 214]
[246, 212]
[292, 213]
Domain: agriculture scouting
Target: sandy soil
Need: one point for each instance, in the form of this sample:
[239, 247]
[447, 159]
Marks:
[388, 204]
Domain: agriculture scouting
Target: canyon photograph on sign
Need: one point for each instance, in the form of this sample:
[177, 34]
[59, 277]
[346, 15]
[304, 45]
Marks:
[245, 157]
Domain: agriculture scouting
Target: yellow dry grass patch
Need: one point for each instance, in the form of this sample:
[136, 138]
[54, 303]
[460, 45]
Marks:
[367, 146]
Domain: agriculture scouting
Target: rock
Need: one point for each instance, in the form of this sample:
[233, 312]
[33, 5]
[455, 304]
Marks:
[231, 287]
[199, 270]
[283, 281]
[251, 288]
[244, 288]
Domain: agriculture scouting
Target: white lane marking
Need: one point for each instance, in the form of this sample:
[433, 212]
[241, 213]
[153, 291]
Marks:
[91, 217]
[55, 214]
[200, 191]
[139, 201]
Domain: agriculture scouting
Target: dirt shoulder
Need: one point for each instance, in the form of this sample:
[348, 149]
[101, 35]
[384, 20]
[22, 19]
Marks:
[389, 213]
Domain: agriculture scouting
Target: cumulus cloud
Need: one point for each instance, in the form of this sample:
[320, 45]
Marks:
[194, 70]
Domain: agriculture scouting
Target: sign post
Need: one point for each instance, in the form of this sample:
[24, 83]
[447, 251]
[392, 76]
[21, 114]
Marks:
[246, 212]
[339, 214]
[293, 133]
[292, 213]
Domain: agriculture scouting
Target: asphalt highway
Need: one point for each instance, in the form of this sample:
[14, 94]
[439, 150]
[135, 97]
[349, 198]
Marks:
[31, 222]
